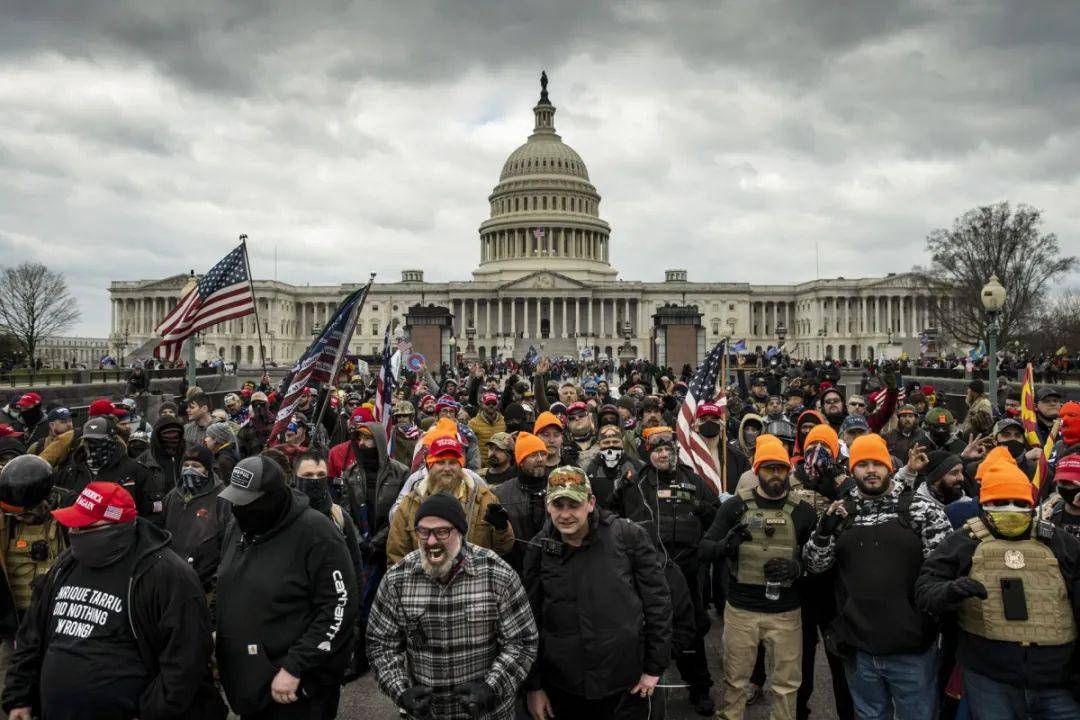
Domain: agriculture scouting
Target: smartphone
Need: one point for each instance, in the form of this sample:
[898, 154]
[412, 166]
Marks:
[1013, 599]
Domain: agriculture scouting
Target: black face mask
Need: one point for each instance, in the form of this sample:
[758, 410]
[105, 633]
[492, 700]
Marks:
[369, 457]
[941, 436]
[100, 548]
[317, 491]
[172, 443]
[709, 429]
[261, 515]
[1015, 447]
[1068, 492]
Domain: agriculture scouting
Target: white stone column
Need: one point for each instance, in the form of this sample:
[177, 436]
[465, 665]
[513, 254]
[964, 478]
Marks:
[513, 317]
[588, 316]
[602, 304]
[563, 332]
[539, 334]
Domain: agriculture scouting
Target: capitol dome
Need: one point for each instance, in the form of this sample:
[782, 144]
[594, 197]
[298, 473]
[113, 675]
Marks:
[544, 211]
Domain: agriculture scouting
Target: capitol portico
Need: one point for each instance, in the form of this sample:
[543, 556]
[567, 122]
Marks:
[545, 278]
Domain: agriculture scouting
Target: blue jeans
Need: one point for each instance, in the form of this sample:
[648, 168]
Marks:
[993, 700]
[908, 682]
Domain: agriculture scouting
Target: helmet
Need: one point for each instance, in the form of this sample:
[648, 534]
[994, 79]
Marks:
[25, 482]
[781, 428]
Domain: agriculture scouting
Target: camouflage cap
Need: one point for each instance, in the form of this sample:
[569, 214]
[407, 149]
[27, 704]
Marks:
[502, 440]
[570, 482]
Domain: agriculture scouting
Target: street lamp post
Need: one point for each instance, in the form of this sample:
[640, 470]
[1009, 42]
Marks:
[993, 300]
[453, 343]
[781, 334]
[821, 342]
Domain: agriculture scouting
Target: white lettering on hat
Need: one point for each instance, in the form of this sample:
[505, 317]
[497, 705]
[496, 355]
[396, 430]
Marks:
[242, 478]
[88, 493]
[85, 502]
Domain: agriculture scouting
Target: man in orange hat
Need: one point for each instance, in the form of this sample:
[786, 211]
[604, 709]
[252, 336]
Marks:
[761, 531]
[488, 523]
[549, 428]
[523, 496]
[1014, 587]
[876, 538]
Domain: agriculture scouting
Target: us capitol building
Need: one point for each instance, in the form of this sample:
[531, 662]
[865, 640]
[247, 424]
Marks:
[545, 278]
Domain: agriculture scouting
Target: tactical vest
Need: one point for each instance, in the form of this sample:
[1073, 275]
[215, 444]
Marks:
[772, 535]
[1050, 619]
[813, 498]
[22, 569]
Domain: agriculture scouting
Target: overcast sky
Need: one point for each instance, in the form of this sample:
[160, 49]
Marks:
[139, 139]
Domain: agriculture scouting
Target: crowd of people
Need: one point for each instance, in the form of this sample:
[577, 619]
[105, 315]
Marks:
[519, 540]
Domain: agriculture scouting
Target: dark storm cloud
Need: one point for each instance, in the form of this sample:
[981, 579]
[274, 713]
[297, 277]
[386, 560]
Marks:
[142, 137]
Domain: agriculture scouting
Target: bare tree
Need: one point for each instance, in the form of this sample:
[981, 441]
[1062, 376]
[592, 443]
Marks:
[991, 240]
[35, 304]
[1057, 324]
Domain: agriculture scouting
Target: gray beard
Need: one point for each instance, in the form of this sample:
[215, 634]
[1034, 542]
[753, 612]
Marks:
[438, 572]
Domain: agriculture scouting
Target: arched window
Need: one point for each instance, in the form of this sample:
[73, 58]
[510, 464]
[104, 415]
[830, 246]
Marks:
[564, 203]
[543, 202]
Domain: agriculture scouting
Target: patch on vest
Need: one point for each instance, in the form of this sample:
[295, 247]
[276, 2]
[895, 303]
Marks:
[1014, 559]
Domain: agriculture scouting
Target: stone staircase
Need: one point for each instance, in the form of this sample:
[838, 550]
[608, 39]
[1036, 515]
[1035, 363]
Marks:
[547, 347]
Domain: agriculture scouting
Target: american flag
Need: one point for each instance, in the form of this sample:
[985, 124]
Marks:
[692, 448]
[222, 294]
[318, 362]
[384, 389]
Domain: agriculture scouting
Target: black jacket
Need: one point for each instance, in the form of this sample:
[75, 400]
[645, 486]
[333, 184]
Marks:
[170, 622]
[197, 526]
[389, 480]
[603, 609]
[120, 469]
[285, 599]
[675, 509]
[163, 469]
[527, 512]
[1033, 666]
[605, 481]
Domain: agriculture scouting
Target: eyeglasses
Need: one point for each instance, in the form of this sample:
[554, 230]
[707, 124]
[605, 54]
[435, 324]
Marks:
[440, 533]
[577, 415]
[856, 404]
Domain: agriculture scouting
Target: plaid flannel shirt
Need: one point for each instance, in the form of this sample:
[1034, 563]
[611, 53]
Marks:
[479, 626]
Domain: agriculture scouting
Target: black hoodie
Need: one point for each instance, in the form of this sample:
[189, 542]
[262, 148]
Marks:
[285, 599]
[164, 469]
[170, 622]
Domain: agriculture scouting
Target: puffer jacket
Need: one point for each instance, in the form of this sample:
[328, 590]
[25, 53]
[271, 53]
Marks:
[484, 430]
[603, 609]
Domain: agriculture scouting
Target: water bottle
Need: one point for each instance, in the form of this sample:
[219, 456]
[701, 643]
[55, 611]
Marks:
[772, 590]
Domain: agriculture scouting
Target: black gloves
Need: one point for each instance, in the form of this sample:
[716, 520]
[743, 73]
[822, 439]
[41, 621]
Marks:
[496, 516]
[477, 695]
[782, 570]
[416, 700]
[735, 537]
[963, 588]
[829, 524]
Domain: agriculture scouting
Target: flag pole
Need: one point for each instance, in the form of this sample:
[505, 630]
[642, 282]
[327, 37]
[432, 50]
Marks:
[346, 338]
[723, 426]
[254, 301]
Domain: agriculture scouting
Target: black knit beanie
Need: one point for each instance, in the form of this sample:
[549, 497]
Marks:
[447, 507]
[940, 462]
